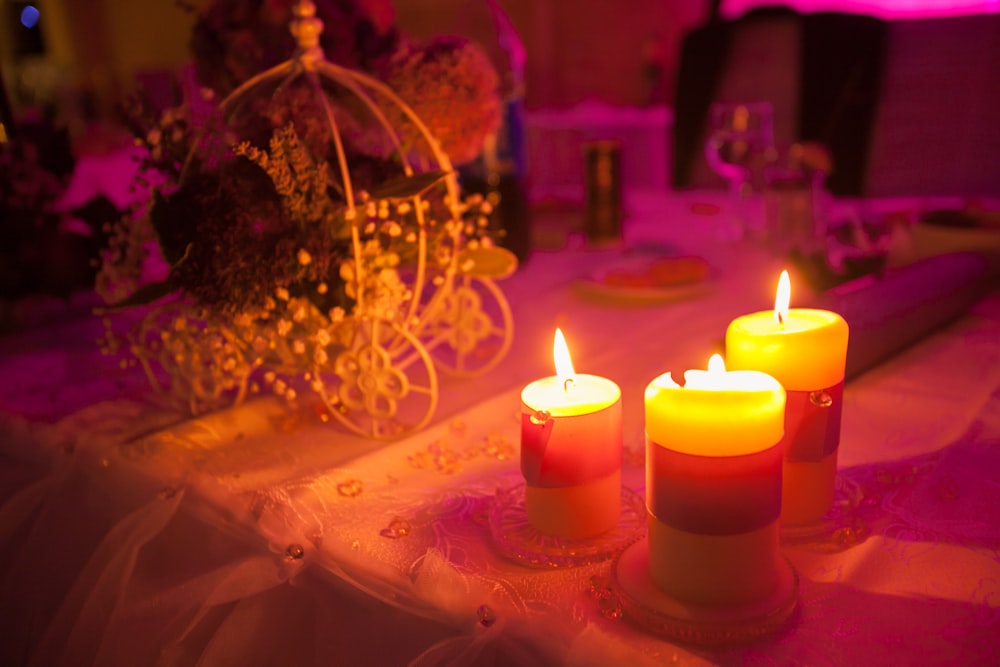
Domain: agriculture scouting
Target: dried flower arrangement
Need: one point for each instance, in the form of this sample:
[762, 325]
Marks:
[317, 239]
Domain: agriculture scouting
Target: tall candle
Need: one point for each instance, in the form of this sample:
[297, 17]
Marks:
[571, 450]
[806, 350]
[713, 484]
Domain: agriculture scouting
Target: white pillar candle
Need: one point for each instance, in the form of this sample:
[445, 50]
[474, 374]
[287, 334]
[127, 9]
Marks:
[805, 349]
[713, 484]
[571, 450]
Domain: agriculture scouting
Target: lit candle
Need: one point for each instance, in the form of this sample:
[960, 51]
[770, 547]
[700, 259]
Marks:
[806, 351]
[571, 450]
[713, 484]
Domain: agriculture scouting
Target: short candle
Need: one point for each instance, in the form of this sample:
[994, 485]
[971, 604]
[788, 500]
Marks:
[805, 349]
[713, 484]
[571, 450]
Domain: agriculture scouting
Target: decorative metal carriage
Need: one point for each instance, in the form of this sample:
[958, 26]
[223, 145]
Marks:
[423, 296]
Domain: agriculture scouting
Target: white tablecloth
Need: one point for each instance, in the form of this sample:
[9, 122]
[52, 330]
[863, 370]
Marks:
[133, 535]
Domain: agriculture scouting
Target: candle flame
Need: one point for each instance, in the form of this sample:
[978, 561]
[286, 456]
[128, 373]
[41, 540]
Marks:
[564, 364]
[716, 365]
[782, 298]
[717, 378]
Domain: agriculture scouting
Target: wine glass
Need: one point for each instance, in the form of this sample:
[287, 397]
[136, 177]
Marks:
[740, 142]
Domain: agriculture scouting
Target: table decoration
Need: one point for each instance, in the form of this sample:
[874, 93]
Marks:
[888, 314]
[850, 246]
[805, 349]
[740, 142]
[318, 243]
[794, 197]
[571, 450]
[517, 539]
[572, 509]
[710, 569]
[946, 231]
[906, 578]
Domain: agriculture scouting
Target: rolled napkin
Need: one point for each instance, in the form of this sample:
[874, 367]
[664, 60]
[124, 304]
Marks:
[888, 314]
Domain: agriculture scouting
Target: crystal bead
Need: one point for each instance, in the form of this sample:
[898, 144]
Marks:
[487, 617]
[610, 607]
[397, 528]
[457, 427]
[294, 552]
[351, 488]
[600, 587]
[850, 535]
[498, 447]
[540, 417]
[420, 460]
[820, 399]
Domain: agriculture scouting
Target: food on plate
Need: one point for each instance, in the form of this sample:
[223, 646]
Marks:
[659, 273]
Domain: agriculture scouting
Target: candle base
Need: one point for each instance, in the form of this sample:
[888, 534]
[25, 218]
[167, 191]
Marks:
[519, 540]
[660, 613]
[807, 489]
[714, 570]
[822, 534]
[583, 510]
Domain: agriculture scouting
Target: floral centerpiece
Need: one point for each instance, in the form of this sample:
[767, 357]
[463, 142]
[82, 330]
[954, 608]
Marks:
[316, 236]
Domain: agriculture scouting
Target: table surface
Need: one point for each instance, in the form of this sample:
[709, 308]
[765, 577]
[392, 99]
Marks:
[133, 534]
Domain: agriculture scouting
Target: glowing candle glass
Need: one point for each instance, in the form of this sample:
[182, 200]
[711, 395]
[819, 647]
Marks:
[806, 351]
[571, 450]
[713, 484]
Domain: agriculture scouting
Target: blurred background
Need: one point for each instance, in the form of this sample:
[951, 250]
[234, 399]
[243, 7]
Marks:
[602, 69]
[882, 98]
[601, 49]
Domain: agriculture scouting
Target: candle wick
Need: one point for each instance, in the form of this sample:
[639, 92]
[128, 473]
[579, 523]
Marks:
[568, 384]
[781, 318]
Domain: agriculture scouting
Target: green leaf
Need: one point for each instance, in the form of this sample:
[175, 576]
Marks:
[492, 262]
[144, 295]
[405, 187]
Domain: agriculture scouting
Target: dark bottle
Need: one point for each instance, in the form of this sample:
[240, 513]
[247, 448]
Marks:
[498, 175]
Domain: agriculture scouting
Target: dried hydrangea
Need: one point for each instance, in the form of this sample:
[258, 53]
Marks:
[452, 86]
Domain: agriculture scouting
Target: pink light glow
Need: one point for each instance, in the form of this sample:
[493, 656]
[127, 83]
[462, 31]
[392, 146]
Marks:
[886, 9]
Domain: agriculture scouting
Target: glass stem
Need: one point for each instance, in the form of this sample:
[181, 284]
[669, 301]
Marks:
[738, 188]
